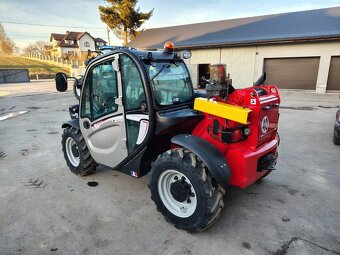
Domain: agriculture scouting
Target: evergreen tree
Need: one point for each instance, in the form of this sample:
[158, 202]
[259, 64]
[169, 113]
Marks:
[123, 18]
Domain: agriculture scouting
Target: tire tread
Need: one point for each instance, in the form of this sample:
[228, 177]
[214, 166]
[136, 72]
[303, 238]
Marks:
[87, 164]
[214, 194]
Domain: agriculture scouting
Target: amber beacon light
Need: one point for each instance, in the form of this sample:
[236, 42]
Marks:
[169, 47]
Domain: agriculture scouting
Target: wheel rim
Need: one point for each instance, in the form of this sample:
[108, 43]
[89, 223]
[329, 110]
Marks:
[166, 183]
[72, 151]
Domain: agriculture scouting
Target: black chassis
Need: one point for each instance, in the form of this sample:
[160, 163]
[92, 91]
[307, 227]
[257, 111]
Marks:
[165, 125]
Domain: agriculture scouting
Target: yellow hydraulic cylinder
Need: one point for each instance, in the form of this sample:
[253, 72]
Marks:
[223, 110]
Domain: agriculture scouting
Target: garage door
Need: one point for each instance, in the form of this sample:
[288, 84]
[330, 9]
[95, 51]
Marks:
[334, 74]
[292, 73]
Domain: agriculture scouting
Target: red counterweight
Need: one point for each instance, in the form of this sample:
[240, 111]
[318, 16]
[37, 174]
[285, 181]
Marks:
[250, 149]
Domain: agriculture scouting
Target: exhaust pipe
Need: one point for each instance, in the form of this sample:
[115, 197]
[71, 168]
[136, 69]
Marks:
[261, 80]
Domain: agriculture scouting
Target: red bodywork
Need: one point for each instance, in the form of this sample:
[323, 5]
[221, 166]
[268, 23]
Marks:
[243, 156]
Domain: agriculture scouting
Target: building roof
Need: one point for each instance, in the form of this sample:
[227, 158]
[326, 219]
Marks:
[75, 35]
[320, 24]
[72, 36]
[99, 40]
[57, 37]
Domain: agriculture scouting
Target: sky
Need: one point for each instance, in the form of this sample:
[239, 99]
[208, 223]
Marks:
[83, 15]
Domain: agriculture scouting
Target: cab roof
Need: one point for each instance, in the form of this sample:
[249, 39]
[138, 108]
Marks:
[144, 55]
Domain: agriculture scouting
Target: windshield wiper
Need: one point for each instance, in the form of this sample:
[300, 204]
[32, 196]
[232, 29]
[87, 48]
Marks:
[161, 70]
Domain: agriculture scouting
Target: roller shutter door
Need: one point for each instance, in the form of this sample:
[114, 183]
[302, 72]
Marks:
[333, 82]
[292, 73]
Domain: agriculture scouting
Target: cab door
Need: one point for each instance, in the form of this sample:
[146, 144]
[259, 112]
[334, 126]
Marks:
[102, 120]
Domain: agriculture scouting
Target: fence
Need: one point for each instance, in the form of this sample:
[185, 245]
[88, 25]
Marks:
[76, 67]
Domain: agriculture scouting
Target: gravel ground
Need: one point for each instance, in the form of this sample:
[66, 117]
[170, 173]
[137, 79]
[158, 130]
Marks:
[45, 209]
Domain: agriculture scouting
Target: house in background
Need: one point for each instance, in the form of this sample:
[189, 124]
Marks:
[74, 45]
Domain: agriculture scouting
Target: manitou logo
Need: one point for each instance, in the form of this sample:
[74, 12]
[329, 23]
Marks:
[265, 124]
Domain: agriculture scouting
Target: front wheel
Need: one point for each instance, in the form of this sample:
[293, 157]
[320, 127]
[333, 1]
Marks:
[184, 191]
[76, 153]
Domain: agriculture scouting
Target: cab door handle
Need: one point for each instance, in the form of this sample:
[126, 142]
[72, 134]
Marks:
[267, 107]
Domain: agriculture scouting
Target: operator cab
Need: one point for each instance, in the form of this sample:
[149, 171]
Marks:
[128, 99]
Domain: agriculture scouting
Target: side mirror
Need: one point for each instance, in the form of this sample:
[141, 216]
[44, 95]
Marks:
[61, 82]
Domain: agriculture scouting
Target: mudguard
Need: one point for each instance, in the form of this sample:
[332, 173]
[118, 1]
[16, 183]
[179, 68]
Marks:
[209, 154]
[71, 123]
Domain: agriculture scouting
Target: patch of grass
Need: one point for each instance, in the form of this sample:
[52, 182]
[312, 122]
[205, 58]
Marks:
[44, 70]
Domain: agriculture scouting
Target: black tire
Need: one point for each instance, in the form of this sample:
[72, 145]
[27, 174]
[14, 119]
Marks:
[336, 140]
[209, 195]
[86, 164]
[266, 174]
[269, 171]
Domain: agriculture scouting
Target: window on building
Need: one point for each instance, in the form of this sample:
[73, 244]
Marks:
[70, 42]
[86, 44]
[203, 74]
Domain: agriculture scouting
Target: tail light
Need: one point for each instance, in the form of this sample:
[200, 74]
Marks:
[236, 136]
[233, 135]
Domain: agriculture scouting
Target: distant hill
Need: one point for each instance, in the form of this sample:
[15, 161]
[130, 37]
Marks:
[44, 70]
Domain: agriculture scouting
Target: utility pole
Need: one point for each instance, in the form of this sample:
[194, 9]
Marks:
[108, 35]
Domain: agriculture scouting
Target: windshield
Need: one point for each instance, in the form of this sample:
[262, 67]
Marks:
[170, 82]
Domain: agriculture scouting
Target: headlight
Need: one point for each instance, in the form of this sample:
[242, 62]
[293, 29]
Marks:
[186, 54]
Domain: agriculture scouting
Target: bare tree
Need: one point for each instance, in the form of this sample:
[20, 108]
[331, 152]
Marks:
[30, 49]
[38, 47]
[7, 46]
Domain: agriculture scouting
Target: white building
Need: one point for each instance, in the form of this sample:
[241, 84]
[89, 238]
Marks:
[299, 50]
[74, 43]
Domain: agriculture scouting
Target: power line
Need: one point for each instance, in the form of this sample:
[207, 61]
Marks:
[45, 25]
[26, 35]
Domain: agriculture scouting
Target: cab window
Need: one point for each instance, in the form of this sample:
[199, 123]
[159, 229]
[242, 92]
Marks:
[100, 91]
[170, 82]
[134, 94]
[133, 98]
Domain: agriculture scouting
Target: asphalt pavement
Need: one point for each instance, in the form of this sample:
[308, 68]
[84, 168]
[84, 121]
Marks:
[45, 209]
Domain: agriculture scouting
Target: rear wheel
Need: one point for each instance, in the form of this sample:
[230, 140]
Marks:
[184, 191]
[76, 153]
[336, 139]
[266, 174]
